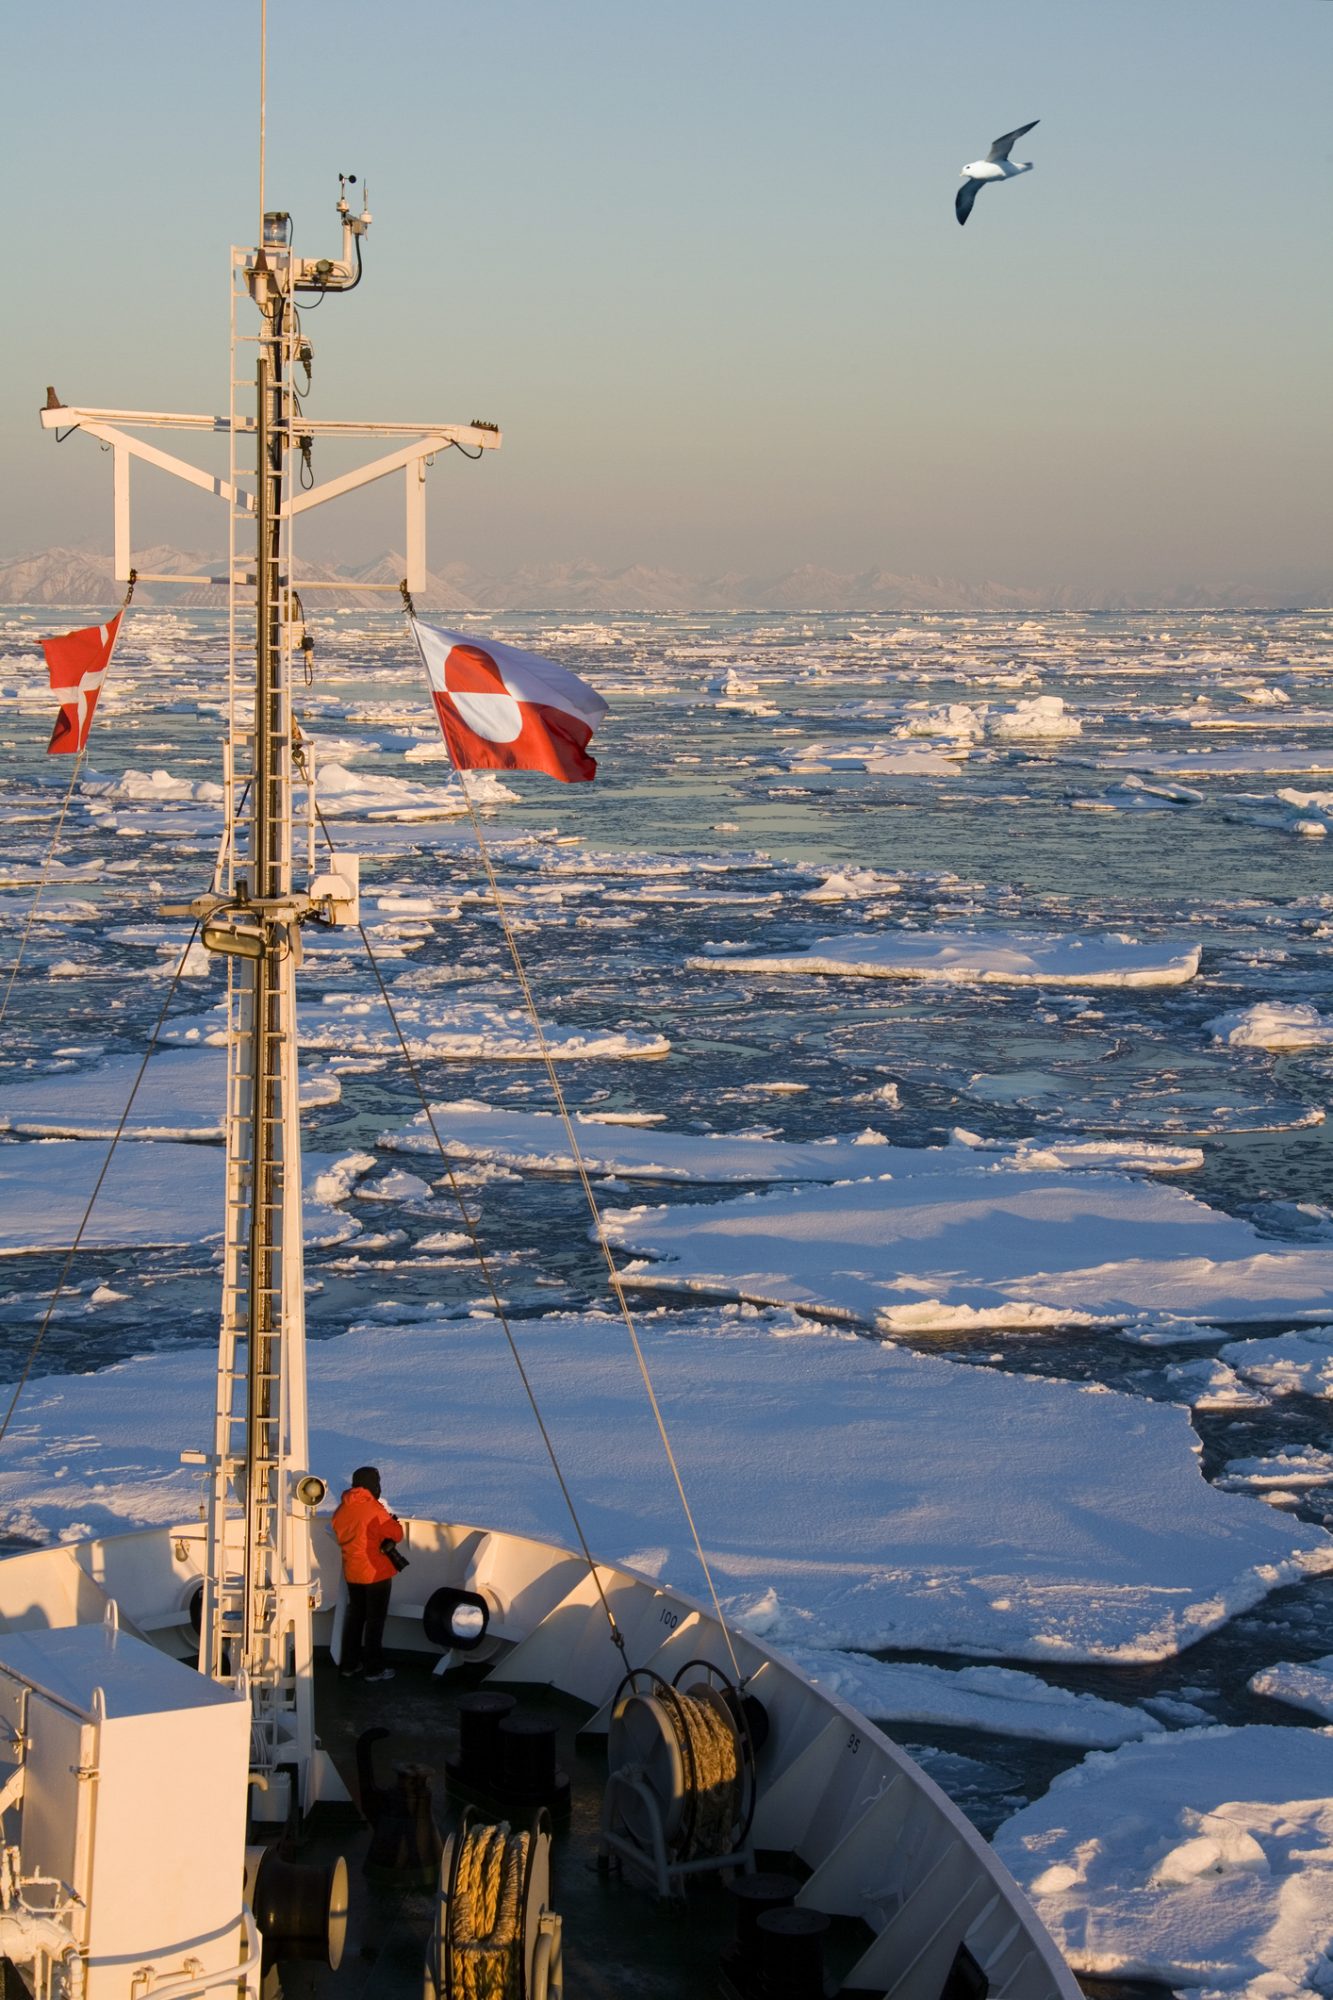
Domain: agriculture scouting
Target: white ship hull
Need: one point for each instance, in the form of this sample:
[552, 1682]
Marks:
[882, 1843]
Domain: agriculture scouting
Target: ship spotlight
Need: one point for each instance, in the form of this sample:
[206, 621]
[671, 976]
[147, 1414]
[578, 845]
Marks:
[277, 229]
[310, 1489]
[233, 940]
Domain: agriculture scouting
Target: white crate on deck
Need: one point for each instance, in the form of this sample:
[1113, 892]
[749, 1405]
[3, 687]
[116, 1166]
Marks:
[134, 1795]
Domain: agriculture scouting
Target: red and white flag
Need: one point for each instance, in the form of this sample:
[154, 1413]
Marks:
[77, 663]
[504, 710]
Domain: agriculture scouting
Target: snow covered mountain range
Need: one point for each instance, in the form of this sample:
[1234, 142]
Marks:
[82, 576]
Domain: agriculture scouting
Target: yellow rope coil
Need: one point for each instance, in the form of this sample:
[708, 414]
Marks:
[709, 1743]
[485, 1929]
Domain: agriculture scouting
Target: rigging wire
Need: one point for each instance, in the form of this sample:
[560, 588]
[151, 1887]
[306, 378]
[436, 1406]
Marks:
[580, 1167]
[599, 1228]
[72, 1252]
[42, 881]
[483, 1262]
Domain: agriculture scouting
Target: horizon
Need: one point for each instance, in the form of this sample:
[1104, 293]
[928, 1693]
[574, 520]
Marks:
[706, 273]
[461, 580]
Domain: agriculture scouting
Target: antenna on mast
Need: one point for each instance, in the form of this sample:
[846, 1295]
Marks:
[263, 100]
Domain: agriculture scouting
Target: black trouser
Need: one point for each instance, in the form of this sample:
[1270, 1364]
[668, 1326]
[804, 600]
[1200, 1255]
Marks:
[363, 1626]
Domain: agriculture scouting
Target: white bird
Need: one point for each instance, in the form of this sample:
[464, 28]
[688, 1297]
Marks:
[997, 166]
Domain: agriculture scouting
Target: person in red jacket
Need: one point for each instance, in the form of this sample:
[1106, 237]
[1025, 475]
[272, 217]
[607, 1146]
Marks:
[362, 1523]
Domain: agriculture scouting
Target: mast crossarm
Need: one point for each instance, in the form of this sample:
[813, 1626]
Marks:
[63, 416]
[166, 461]
[60, 416]
[380, 468]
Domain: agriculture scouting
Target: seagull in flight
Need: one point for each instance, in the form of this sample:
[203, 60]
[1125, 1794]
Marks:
[997, 166]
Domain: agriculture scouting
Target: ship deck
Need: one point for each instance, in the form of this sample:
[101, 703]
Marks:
[620, 1942]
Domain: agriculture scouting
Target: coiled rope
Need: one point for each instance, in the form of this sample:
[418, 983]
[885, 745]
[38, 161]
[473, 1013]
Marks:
[713, 1766]
[485, 1931]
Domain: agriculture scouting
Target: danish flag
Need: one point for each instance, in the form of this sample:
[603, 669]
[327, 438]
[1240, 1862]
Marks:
[77, 663]
[504, 710]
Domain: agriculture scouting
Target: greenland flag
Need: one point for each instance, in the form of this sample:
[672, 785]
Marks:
[77, 664]
[503, 710]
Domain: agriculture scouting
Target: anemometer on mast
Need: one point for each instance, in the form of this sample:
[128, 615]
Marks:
[322, 274]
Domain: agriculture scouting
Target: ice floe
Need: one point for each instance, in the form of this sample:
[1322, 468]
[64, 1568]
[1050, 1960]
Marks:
[939, 1506]
[378, 795]
[1301, 1466]
[883, 759]
[181, 1096]
[1272, 1024]
[1304, 1684]
[1272, 760]
[1207, 1383]
[1134, 794]
[157, 787]
[953, 1243]
[153, 1195]
[995, 958]
[1041, 716]
[1292, 1364]
[436, 1024]
[1201, 1858]
[620, 1144]
[1002, 1701]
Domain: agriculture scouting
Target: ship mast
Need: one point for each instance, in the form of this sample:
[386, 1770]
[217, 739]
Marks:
[258, 1600]
[259, 1587]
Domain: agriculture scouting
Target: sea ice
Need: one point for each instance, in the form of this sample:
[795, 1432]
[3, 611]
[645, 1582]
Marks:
[1269, 1024]
[1200, 1858]
[1040, 716]
[1274, 759]
[435, 1024]
[977, 958]
[1292, 1364]
[1301, 1684]
[1302, 1466]
[1210, 1384]
[181, 1096]
[536, 1140]
[154, 1194]
[941, 1507]
[953, 1243]
[351, 794]
[883, 759]
[999, 1700]
[1136, 795]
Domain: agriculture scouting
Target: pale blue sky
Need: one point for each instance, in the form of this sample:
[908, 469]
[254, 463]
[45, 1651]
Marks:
[701, 262]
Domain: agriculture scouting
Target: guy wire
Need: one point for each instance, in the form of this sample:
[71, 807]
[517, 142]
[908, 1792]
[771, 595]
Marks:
[483, 1263]
[70, 1255]
[599, 1230]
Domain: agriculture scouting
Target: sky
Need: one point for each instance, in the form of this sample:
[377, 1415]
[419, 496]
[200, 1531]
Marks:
[700, 261]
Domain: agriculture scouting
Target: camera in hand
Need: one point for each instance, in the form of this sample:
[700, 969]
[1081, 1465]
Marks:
[390, 1549]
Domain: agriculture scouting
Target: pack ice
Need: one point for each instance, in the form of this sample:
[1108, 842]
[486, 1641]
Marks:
[951, 1242]
[941, 1507]
[975, 958]
[1201, 1858]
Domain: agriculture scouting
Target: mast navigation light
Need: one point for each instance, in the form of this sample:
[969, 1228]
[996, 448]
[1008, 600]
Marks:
[277, 229]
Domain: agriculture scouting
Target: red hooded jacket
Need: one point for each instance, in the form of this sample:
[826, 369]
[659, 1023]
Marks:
[361, 1523]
